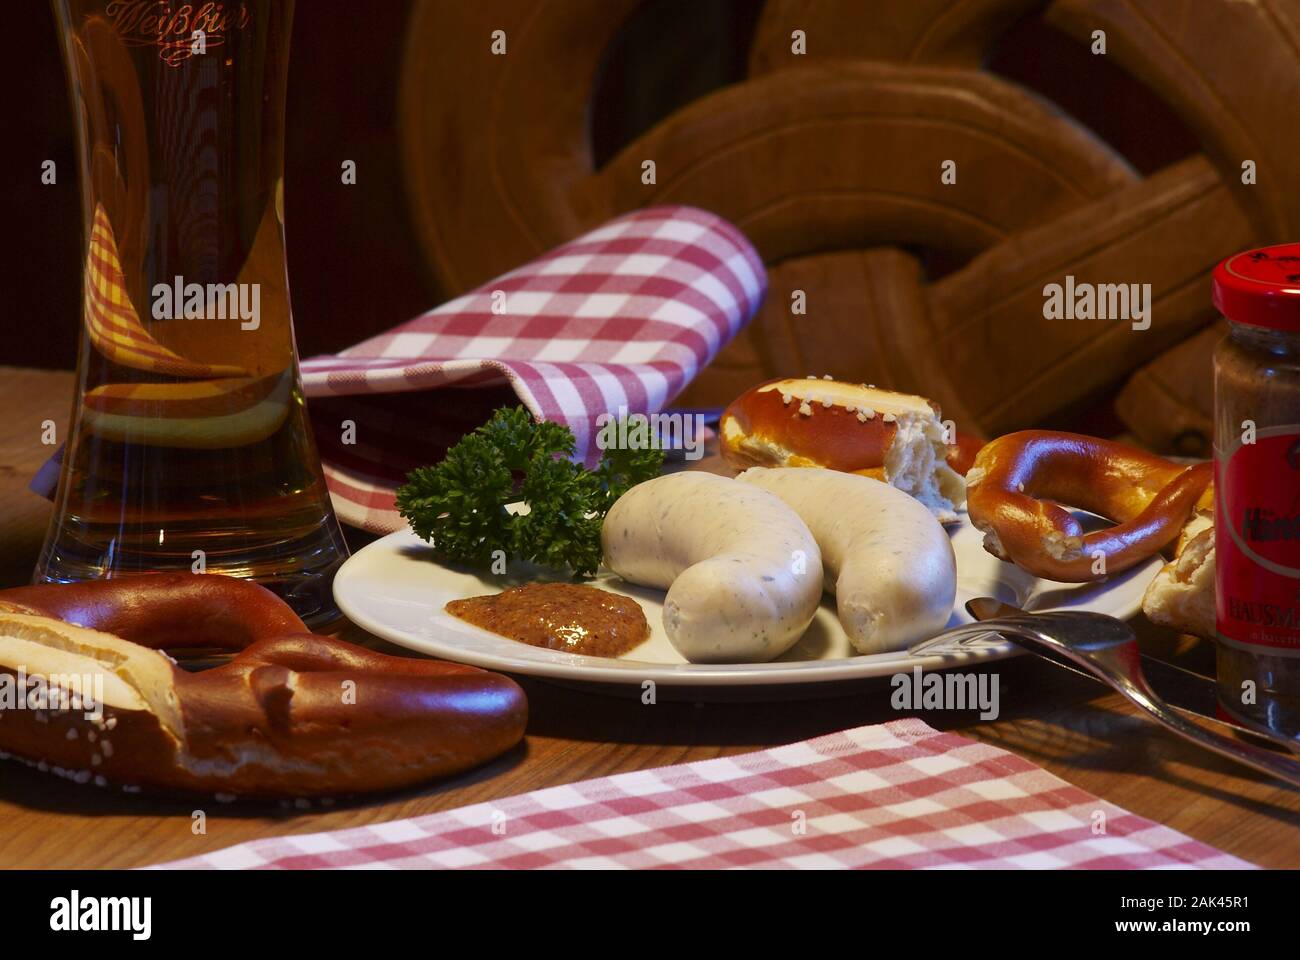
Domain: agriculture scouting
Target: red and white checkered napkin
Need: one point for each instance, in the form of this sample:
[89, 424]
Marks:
[896, 795]
[622, 317]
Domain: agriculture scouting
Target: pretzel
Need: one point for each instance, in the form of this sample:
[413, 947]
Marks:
[1016, 478]
[293, 714]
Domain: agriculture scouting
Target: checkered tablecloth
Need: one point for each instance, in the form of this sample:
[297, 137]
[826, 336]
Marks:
[620, 318]
[898, 795]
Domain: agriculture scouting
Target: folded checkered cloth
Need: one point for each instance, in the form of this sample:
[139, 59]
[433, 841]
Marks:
[891, 796]
[622, 317]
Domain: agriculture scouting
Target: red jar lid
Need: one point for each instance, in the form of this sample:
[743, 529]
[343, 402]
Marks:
[1261, 287]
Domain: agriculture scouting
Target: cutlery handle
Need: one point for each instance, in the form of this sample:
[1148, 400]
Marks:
[1107, 649]
[1274, 764]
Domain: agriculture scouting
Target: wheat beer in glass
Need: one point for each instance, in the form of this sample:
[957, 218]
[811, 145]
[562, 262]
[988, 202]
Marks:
[189, 446]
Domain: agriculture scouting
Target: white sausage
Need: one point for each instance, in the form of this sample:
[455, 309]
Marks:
[743, 573]
[887, 559]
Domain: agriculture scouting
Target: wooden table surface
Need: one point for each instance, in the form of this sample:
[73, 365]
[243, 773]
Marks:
[1075, 728]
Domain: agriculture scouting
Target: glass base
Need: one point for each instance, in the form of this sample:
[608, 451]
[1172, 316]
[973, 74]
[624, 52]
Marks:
[299, 570]
[1275, 720]
[1276, 683]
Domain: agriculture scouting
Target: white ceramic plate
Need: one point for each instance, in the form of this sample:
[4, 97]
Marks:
[395, 590]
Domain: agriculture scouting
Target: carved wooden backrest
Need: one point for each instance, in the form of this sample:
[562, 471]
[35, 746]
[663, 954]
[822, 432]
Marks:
[830, 161]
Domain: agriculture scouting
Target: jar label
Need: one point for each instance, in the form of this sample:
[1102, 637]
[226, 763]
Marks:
[1257, 542]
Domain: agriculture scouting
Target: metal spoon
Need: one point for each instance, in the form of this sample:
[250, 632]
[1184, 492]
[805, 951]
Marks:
[1106, 648]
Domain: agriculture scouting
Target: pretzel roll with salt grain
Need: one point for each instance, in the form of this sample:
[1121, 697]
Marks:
[854, 428]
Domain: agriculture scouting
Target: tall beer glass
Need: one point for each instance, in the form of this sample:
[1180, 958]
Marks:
[189, 446]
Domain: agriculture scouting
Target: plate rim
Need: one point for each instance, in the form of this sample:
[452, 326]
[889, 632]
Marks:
[771, 673]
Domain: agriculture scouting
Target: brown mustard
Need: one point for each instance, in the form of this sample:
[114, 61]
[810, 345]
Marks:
[559, 616]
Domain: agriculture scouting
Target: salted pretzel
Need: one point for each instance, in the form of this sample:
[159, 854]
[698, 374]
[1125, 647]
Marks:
[1019, 483]
[293, 714]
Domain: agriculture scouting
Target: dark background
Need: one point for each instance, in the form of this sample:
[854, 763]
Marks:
[354, 266]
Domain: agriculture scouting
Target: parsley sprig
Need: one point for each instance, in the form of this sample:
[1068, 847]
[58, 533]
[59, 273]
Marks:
[460, 503]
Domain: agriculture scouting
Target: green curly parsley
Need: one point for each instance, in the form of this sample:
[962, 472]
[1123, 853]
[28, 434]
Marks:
[460, 504]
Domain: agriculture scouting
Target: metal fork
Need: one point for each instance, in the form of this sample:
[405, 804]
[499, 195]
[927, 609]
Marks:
[1107, 649]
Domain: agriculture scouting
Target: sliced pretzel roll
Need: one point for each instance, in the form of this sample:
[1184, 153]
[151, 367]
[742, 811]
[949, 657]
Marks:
[1182, 594]
[853, 428]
